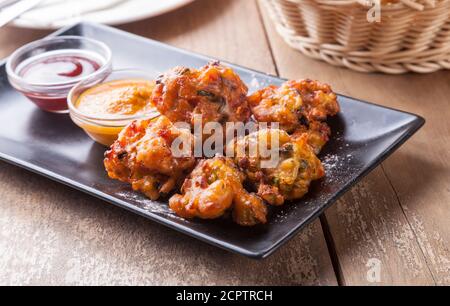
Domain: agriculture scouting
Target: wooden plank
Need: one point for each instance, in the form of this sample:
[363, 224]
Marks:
[369, 222]
[51, 234]
[420, 172]
[221, 29]
[12, 38]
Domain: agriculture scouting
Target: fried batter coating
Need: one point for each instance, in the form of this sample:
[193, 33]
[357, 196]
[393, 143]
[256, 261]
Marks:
[293, 103]
[143, 157]
[273, 104]
[318, 135]
[290, 178]
[319, 99]
[215, 92]
[215, 187]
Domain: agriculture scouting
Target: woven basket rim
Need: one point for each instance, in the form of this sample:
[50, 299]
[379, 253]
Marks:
[406, 40]
[403, 4]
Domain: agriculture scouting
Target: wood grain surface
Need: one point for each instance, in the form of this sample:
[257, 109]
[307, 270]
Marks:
[53, 235]
[399, 214]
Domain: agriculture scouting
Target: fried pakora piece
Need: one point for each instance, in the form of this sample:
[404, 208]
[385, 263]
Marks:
[319, 99]
[215, 92]
[317, 134]
[277, 104]
[292, 172]
[143, 157]
[215, 187]
[294, 103]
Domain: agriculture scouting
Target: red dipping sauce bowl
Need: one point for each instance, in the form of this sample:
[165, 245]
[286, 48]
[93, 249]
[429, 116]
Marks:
[46, 70]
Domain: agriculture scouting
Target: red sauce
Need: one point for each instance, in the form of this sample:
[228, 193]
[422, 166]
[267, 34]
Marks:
[49, 104]
[52, 70]
[58, 69]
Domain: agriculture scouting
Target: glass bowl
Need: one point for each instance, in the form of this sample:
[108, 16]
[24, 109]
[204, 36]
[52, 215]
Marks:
[105, 129]
[51, 95]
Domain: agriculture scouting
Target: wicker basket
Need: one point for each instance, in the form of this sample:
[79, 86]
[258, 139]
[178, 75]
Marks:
[413, 35]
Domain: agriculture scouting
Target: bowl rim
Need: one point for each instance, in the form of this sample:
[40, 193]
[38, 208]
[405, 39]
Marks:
[16, 78]
[108, 121]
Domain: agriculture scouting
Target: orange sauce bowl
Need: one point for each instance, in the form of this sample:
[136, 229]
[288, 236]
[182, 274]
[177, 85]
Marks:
[102, 108]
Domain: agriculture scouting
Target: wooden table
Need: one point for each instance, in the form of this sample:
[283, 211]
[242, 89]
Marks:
[399, 216]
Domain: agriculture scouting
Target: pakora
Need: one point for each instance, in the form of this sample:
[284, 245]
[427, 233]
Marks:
[214, 92]
[143, 157]
[317, 135]
[296, 165]
[214, 188]
[273, 165]
[294, 103]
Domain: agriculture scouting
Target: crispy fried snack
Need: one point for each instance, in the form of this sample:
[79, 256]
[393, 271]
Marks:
[143, 157]
[293, 173]
[215, 92]
[215, 187]
[277, 104]
[293, 103]
[317, 135]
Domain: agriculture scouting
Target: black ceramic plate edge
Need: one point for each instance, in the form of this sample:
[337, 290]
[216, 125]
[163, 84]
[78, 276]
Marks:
[416, 123]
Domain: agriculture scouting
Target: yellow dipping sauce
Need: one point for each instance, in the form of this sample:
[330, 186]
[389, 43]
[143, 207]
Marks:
[105, 103]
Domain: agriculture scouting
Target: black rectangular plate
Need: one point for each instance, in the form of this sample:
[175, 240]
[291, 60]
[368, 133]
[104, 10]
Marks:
[364, 135]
